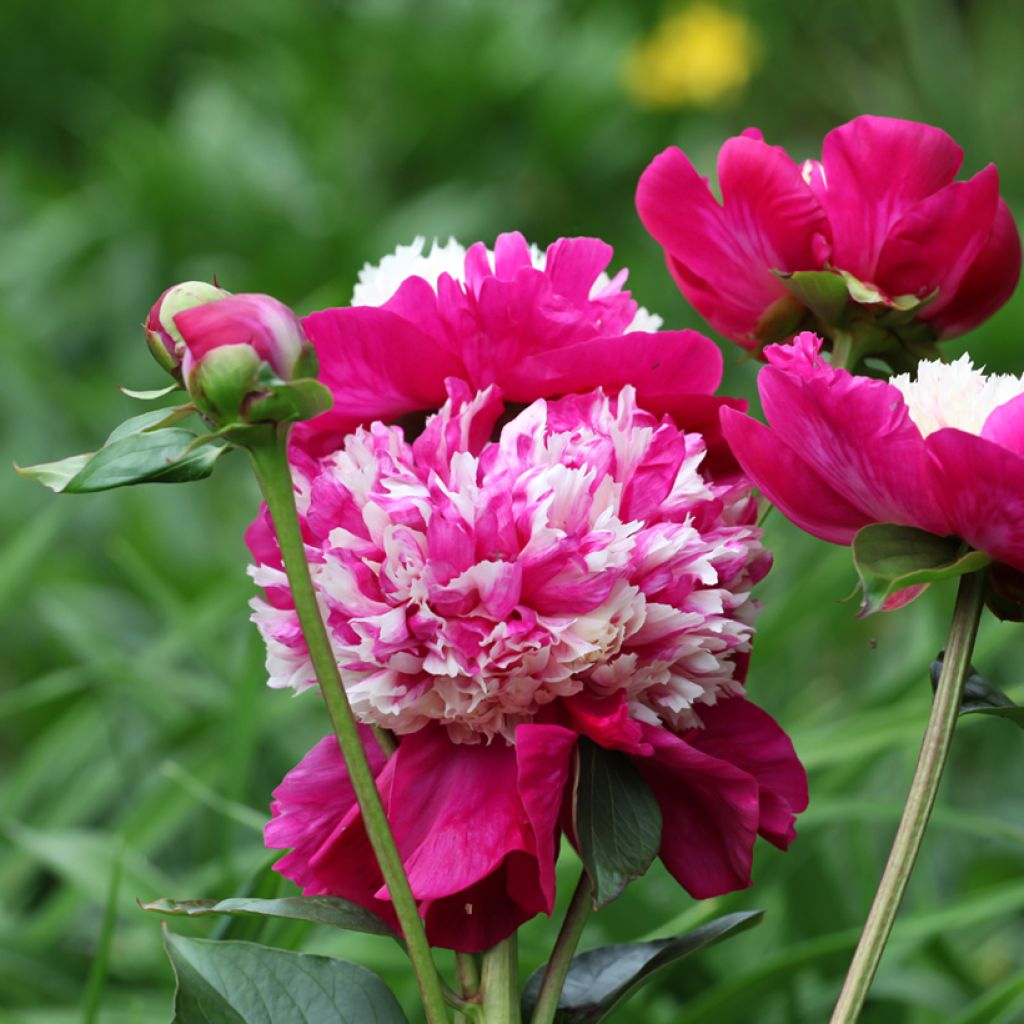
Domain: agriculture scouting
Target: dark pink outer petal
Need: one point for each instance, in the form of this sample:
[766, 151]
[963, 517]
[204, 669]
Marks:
[981, 486]
[789, 483]
[987, 285]
[855, 433]
[722, 256]
[377, 365]
[710, 812]
[1005, 426]
[935, 242]
[737, 731]
[679, 362]
[875, 170]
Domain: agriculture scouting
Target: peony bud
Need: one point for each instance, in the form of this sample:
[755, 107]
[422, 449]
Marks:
[243, 358]
[162, 336]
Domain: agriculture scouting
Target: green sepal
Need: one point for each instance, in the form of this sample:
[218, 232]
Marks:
[600, 979]
[233, 982]
[823, 292]
[889, 558]
[781, 320]
[140, 450]
[981, 697]
[327, 910]
[289, 403]
[223, 379]
[616, 819]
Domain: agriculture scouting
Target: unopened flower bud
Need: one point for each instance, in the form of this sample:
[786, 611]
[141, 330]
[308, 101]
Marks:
[162, 335]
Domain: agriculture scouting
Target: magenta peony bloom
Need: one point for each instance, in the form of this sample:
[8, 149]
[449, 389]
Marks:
[943, 453]
[490, 602]
[881, 208]
[537, 324]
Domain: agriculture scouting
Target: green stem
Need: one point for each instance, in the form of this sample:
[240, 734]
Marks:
[920, 801]
[843, 350]
[499, 983]
[271, 464]
[561, 956]
[467, 973]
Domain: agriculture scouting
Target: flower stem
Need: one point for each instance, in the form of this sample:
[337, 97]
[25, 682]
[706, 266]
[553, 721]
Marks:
[843, 350]
[270, 461]
[561, 956]
[927, 776]
[499, 983]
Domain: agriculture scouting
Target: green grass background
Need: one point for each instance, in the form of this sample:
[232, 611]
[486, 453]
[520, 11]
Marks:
[280, 145]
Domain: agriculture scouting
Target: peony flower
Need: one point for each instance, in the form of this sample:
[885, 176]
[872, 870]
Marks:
[537, 324]
[229, 349]
[943, 452]
[492, 601]
[880, 209]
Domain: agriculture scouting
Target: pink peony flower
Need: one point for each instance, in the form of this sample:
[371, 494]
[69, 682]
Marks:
[881, 207]
[490, 602]
[537, 324]
[943, 452]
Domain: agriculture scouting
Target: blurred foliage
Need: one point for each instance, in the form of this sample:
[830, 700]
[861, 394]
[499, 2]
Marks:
[280, 146]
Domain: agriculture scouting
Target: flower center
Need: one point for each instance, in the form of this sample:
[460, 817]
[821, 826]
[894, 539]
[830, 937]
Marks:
[956, 394]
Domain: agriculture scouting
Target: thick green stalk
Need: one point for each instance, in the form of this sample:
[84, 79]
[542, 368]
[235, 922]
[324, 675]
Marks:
[271, 464]
[499, 983]
[920, 801]
[844, 354]
[561, 956]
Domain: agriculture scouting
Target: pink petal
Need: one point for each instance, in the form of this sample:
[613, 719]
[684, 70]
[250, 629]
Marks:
[935, 242]
[788, 482]
[377, 365]
[573, 264]
[875, 170]
[709, 810]
[606, 721]
[856, 434]
[981, 486]
[670, 362]
[987, 285]
[1005, 426]
[737, 731]
[544, 758]
[723, 256]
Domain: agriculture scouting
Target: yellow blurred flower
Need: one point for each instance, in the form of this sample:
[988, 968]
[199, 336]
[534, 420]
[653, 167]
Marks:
[694, 56]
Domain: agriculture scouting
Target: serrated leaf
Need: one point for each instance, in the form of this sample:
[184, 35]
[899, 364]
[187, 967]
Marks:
[244, 983]
[328, 910]
[981, 697]
[824, 293]
[889, 558]
[617, 820]
[600, 979]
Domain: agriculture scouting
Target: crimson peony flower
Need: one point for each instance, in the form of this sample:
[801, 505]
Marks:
[537, 324]
[881, 208]
[943, 452]
[490, 602]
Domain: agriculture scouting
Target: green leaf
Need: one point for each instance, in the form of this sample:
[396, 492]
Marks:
[329, 910]
[290, 402]
[889, 558]
[600, 979]
[143, 449]
[243, 983]
[617, 820]
[824, 293]
[150, 396]
[981, 697]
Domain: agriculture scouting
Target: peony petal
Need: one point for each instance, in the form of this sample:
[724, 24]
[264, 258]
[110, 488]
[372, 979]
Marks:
[1005, 426]
[681, 362]
[709, 812]
[573, 265]
[544, 759]
[935, 242]
[788, 482]
[856, 434]
[987, 285]
[737, 731]
[981, 485]
[874, 170]
[377, 365]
